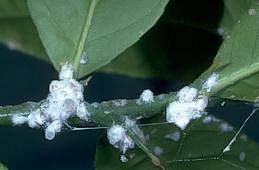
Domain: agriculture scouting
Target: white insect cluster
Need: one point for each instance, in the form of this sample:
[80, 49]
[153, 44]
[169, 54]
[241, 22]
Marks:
[119, 102]
[123, 159]
[211, 82]
[225, 127]
[146, 96]
[158, 150]
[118, 137]
[175, 136]
[84, 58]
[221, 31]
[18, 119]
[65, 99]
[252, 12]
[209, 119]
[190, 104]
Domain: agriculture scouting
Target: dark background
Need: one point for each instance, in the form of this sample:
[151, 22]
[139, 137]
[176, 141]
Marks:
[23, 78]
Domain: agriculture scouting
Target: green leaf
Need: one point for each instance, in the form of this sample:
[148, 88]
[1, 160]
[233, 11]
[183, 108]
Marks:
[236, 8]
[141, 61]
[2, 167]
[17, 30]
[13, 8]
[220, 15]
[233, 10]
[238, 60]
[200, 147]
[101, 29]
[155, 56]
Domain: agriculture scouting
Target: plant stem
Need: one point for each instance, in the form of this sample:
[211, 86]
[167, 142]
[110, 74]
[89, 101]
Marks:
[104, 113]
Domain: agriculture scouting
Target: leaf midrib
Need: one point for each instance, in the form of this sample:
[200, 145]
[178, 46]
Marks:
[83, 36]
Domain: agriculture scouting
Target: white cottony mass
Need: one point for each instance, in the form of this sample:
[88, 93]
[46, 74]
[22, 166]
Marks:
[190, 104]
[211, 82]
[187, 94]
[181, 113]
[17, 119]
[119, 139]
[65, 99]
[146, 96]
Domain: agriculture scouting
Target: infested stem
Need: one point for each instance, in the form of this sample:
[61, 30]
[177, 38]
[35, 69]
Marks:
[98, 111]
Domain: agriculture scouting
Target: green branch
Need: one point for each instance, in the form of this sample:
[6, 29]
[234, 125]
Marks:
[104, 113]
